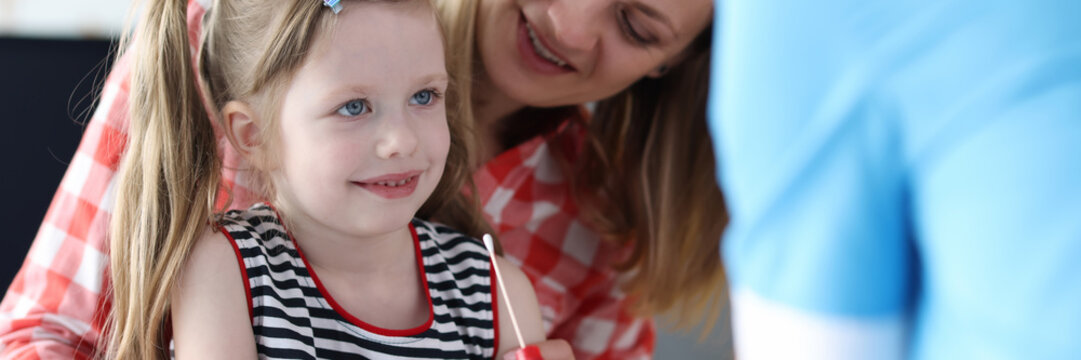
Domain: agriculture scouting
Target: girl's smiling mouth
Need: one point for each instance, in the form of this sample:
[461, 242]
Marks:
[391, 186]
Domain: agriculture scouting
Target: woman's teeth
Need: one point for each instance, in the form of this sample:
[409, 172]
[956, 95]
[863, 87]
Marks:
[543, 51]
[395, 183]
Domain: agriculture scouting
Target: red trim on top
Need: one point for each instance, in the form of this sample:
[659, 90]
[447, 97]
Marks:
[495, 305]
[353, 319]
[423, 274]
[243, 270]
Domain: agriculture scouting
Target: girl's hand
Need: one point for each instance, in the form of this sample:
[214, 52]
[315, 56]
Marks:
[555, 349]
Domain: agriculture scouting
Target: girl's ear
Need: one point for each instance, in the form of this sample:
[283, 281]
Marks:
[242, 129]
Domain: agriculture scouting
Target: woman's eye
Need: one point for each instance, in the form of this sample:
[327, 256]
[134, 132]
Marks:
[423, 97]
[353, 108]
[632, 33]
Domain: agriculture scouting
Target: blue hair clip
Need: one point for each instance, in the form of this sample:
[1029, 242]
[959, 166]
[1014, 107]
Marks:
[335, 5]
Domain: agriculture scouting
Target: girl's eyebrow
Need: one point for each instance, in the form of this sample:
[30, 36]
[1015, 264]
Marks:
[430, 79]
[340, 91]
[434, 78]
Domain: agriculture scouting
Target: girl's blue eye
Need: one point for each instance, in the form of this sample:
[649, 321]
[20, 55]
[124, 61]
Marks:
[423, 97]
[354, 108]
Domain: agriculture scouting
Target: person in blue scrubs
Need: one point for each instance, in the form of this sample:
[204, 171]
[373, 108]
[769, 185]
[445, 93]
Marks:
[904, 177]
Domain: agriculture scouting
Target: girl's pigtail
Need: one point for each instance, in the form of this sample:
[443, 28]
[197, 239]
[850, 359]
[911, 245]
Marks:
[166, 186]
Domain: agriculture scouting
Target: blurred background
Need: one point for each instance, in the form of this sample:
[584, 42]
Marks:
[54, 56]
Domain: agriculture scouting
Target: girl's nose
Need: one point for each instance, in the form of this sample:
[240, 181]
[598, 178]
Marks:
[397, 137]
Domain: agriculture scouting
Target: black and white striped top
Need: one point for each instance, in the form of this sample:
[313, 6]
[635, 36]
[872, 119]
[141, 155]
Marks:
[293, 316]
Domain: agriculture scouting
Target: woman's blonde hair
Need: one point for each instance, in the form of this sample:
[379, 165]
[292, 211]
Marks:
[645, 177]
[169, 179]
[648, 180]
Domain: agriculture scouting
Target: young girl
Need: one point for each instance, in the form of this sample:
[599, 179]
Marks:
[608, 242]
[343, 118]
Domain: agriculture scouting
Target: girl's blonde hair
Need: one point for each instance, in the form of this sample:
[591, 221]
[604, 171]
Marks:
[645, 177]
[170, 176]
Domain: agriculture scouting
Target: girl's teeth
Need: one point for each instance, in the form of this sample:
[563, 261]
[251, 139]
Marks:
[394, 183]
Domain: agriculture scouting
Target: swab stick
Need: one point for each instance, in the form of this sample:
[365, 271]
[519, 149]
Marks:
[503, 290]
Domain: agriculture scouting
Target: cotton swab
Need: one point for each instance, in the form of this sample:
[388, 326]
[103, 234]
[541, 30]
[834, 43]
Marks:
[503, 290]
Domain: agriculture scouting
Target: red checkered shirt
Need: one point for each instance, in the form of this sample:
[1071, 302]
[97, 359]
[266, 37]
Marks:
[55, 307]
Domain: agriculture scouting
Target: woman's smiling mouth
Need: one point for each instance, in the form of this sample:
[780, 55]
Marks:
[537, 54]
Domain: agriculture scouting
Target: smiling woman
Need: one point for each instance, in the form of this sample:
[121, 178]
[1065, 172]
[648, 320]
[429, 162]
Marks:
[588, 50]
[639, 171]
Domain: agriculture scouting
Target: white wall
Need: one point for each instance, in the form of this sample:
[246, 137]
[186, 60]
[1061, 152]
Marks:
[72, 19]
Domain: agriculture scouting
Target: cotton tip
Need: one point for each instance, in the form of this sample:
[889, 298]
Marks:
[488, 243]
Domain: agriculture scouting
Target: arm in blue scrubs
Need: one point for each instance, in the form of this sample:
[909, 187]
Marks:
[903, 177]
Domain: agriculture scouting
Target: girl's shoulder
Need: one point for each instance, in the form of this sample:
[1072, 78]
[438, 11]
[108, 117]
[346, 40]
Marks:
[433, 236]
[211, 287]
[258, 226]
[254, 216]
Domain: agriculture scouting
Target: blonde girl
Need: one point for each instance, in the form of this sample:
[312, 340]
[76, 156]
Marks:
[613, 215]
[342, 118]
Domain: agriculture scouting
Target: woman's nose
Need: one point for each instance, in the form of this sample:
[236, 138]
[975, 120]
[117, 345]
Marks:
[576, 23]
[396, 138]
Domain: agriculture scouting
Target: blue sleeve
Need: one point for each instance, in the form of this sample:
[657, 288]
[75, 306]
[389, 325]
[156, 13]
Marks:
[902, 177]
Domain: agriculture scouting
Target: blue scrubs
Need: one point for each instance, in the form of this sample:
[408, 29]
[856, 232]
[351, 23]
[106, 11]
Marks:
[904, 177]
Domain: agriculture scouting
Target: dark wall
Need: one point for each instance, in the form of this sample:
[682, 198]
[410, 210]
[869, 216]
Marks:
[47, 90]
